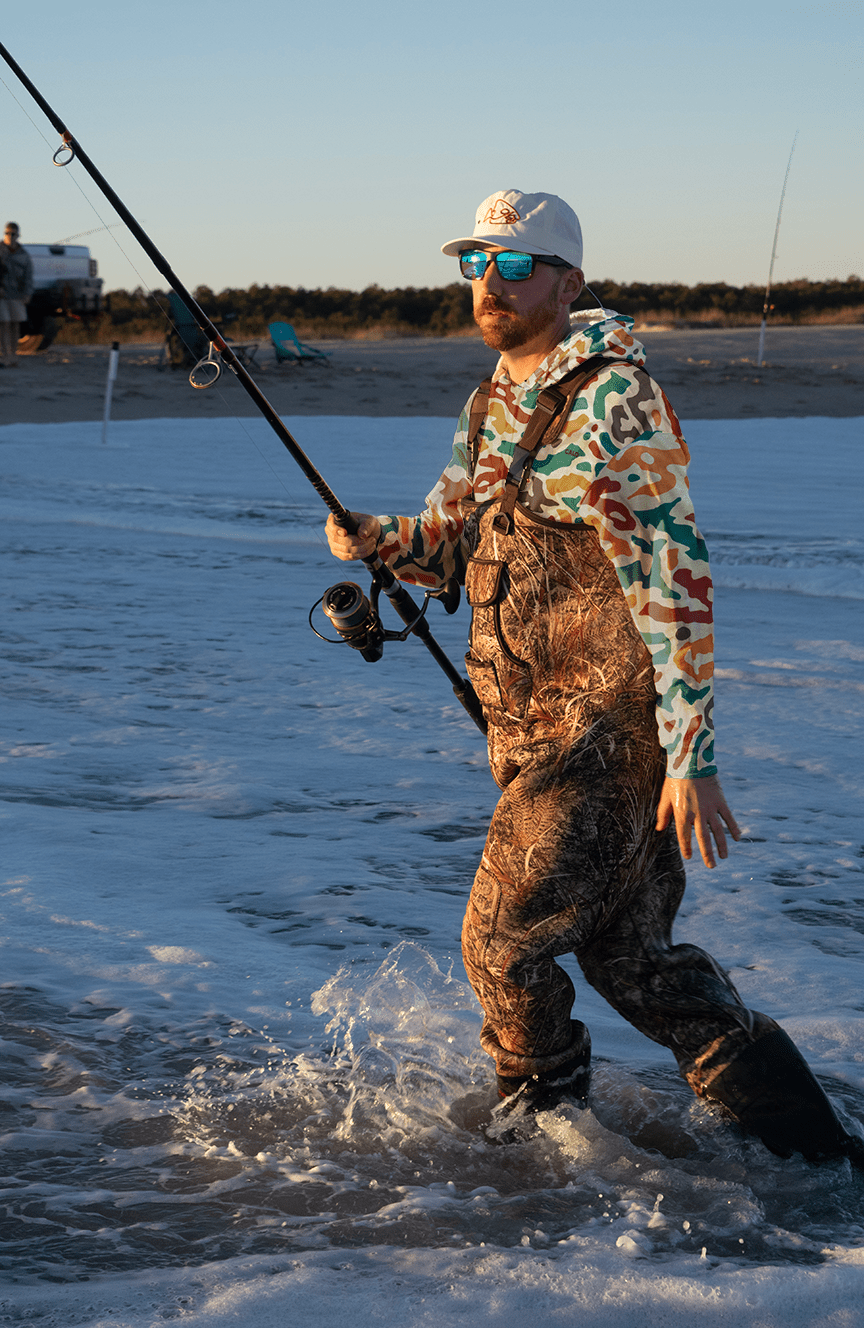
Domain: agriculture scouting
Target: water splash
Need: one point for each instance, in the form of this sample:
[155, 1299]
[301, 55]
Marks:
[130, 1145]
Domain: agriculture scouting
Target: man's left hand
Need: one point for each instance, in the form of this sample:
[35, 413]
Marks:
[697, 804]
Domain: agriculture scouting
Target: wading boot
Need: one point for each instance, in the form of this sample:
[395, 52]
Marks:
[773, 1093]
[521, 1099]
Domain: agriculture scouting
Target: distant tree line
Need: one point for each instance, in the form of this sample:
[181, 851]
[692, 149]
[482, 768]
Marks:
[446, 310]
[791, 301]
[331, 312]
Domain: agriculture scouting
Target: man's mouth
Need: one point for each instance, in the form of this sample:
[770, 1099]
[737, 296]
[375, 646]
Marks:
[488, 307]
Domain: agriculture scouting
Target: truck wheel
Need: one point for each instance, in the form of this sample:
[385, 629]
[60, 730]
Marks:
[40, 339]
[48, 331]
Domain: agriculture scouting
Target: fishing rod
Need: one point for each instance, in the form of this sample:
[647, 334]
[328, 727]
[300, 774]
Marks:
[354, 616]
[767, 306]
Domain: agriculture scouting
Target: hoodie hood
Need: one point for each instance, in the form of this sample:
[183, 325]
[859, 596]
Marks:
[612, 337]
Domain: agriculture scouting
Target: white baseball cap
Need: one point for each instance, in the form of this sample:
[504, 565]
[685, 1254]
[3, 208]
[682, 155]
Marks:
[541, 224]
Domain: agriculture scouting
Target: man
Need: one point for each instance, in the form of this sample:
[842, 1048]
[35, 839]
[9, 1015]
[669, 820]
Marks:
[565, 508]
[16, 288]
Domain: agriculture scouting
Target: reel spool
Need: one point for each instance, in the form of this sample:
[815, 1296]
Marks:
[354, 617]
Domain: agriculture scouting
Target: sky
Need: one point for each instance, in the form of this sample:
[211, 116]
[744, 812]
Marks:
[283, 144]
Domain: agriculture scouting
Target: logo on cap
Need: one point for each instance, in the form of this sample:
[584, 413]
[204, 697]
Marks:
[500, 213]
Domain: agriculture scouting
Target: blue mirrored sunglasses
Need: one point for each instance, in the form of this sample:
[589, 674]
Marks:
[511, 266]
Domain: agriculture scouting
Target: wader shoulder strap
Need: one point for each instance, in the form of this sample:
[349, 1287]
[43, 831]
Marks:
[547, 420]
[479, 406]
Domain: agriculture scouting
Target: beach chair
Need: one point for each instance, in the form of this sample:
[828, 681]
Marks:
[186, 344]
[287, 345]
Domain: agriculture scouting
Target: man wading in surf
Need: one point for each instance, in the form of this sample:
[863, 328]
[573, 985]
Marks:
[565, 510]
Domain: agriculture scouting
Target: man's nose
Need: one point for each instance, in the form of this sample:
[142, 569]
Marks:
[492, 279]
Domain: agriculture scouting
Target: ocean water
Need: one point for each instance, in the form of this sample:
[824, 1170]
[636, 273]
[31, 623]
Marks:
[240, 1072]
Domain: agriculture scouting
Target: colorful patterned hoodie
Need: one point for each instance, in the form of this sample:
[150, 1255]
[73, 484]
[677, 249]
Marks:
[620, 466]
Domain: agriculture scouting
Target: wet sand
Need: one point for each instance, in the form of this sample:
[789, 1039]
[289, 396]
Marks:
[707, 374]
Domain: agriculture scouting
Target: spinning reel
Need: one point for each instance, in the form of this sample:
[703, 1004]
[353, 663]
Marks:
[357, 620]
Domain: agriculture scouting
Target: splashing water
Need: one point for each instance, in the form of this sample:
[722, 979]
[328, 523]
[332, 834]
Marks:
[129, 1146]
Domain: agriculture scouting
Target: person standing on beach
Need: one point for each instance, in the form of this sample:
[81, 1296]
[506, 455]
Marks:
[565, 509]
[16, 288]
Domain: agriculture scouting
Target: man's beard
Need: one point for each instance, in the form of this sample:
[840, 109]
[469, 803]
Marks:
[507, 330]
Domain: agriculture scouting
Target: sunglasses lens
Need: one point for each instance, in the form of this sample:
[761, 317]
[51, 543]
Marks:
[514, 267]
[473, 264]
[511, 266]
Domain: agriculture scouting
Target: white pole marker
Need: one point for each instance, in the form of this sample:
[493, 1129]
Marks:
[109, 387]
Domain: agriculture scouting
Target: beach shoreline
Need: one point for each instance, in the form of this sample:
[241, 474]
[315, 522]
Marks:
[707, 374]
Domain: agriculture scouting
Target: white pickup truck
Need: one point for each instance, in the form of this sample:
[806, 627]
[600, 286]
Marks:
[65, 285]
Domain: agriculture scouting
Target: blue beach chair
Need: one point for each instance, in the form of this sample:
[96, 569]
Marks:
[288, 346]
[186, 344]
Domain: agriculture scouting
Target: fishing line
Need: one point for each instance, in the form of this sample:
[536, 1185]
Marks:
[79, 235]
[21, 107]
[305, 519]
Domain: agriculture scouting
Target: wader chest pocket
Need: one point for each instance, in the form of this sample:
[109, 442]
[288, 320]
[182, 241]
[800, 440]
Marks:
[483, 582]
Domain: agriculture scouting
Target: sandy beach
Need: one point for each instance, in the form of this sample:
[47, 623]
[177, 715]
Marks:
[707, 374]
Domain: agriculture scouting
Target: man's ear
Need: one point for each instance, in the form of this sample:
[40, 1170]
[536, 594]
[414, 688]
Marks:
[572, 285]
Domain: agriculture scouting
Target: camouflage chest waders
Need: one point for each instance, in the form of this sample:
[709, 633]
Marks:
[572, 862]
